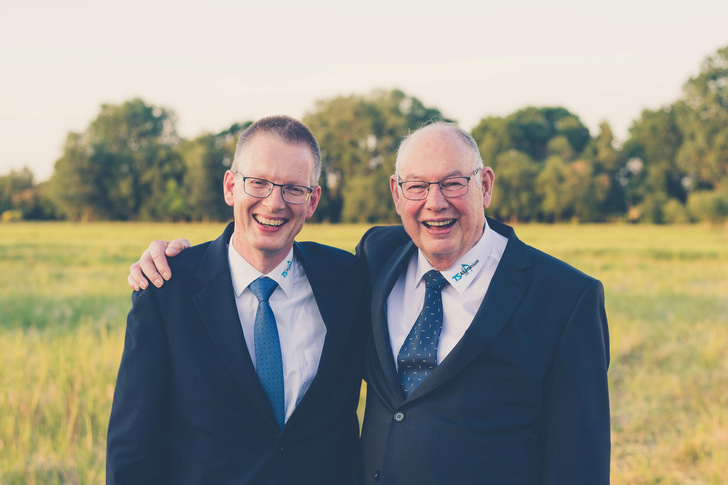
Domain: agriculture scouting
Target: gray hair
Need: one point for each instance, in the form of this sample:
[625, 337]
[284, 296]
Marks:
[443, 126]
[286, 129]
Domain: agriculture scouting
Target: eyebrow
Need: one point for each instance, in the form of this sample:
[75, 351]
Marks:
[417, 177]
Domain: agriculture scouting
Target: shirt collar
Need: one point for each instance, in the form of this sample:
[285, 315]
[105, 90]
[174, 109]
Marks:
[243, 273]
[463, 272]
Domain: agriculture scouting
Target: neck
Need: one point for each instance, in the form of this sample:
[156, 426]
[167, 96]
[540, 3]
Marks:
[260, 260]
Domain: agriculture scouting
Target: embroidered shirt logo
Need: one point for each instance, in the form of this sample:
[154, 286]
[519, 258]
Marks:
[465, 270]
[288, 268]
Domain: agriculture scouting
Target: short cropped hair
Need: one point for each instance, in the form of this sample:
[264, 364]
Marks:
[443, 126]
[286, 129]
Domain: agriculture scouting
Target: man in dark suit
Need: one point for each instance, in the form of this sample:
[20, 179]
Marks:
[220, 383]
[516, 390]
[502, 377]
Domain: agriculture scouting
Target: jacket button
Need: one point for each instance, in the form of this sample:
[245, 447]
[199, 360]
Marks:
[399, 416]
[376, 476]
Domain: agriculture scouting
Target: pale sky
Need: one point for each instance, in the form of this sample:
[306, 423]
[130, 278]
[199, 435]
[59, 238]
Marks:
[221, 61]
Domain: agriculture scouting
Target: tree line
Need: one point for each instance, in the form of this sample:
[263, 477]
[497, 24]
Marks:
[130, 163]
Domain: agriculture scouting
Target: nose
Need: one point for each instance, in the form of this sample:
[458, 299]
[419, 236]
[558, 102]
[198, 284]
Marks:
[435, 199]
[275, 199]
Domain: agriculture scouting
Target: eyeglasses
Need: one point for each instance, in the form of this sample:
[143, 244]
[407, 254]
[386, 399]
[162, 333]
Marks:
[450, 187]
[261, 188]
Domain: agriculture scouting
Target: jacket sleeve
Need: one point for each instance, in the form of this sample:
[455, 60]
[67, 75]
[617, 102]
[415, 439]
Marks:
[134, 449]
[576, 421]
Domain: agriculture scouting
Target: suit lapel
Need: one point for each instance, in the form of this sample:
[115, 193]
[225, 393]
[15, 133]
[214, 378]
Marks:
[216, 307]
[325, 291]
[382, 287]
[504, 293]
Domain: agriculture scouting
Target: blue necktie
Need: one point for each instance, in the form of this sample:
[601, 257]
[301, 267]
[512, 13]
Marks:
[418, 355]
[268, 348]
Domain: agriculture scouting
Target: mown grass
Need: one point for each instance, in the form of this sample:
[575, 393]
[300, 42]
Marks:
[64, 299]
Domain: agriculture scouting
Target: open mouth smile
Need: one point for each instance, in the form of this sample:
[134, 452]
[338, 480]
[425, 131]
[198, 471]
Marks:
[439, 224]
[270, 222]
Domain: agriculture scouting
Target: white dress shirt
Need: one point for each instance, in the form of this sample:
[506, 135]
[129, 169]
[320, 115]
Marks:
[469, 280]
[301, 328]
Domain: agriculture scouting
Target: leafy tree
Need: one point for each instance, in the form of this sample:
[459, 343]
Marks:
[531, 129]
[359, 136]
[515, 197]
[206, 158]
[12, 186]
[530, 152]
[709, 205]
[120, 166]
[21, 198]
[602, 154]
[703, 120]
[556, 201]
[492, 137]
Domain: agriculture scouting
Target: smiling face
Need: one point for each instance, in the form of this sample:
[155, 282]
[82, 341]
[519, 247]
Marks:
[443, 228]
[265, 228]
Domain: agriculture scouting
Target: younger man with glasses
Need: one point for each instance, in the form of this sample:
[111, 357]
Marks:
[246, 367]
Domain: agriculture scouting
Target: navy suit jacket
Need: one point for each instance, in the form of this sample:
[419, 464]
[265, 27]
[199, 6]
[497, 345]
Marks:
[188, 406]
[522, 399]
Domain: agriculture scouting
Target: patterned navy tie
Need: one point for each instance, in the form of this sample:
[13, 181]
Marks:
[268, 348]
[418, 355]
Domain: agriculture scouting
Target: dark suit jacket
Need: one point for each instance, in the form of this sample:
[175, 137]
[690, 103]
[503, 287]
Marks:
[188, 405]
[522, 399]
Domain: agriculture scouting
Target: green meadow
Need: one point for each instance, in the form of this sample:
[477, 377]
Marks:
[64, 300]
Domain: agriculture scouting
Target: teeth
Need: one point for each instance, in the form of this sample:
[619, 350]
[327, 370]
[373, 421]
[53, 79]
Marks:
[440, 223]
[270, 222]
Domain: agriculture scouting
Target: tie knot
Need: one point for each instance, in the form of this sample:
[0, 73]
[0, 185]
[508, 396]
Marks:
[263, 288]
[435, 280]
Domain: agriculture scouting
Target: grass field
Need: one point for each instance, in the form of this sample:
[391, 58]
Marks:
[64, 299]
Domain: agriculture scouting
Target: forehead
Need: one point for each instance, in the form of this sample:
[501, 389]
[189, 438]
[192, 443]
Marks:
[271, 153]
[435, 153]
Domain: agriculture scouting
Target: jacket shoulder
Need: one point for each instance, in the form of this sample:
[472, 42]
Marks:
[317, 254]
[189, 259]
[378, 245]
[381, 241]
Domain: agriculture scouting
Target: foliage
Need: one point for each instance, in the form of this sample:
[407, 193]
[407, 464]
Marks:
[704, 123]
[129, 163]
[359, 136]
[119, 168]
[709, 206]
[206, 159]
[21, 198]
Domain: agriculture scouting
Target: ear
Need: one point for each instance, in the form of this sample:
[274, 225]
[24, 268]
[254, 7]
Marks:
[487, 178]
[394, 188]
[313, 201]
[228, 184]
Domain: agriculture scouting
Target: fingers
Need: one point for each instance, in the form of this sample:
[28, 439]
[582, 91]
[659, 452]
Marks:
[154, 263]
[177, 246]
[132, 283]
[136, 279]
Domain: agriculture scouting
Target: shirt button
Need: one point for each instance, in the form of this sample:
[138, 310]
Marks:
[399, 416]
[376, 476]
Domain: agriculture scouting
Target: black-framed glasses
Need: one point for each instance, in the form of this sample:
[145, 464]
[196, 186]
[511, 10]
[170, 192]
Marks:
[261, 188]
[450, 187]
